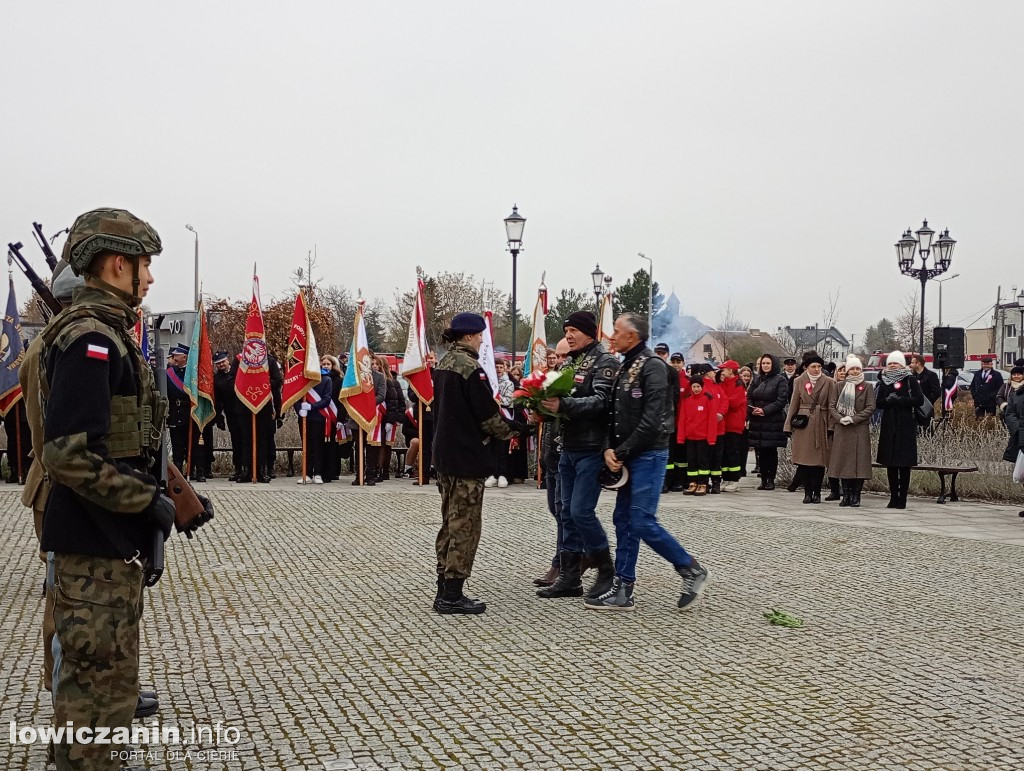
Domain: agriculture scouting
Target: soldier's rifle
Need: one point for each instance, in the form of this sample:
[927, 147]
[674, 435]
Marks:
[48, 302]
[189, 512]
[51, 258]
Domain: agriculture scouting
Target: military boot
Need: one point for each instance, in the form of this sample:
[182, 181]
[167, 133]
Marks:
[858, 485]
[568, 583]
[847, 486]
[605, 573]
[454, 602]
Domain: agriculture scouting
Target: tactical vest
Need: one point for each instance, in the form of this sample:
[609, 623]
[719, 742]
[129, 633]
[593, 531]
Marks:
[136, 422]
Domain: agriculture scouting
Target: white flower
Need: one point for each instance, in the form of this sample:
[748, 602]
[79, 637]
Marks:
[551, 377]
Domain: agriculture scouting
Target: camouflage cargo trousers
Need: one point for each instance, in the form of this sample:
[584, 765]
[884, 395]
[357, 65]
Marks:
[97, 604]
[462, 503]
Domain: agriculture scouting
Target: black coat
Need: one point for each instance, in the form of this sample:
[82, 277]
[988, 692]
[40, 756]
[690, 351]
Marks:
[641, 405]
[985, 391]
[1013, 419]
[897, 440]
[771, 394]
[394, 402]
[930, 386]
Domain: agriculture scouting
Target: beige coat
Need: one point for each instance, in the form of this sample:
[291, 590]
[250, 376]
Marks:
[851, 445]
[811, 443]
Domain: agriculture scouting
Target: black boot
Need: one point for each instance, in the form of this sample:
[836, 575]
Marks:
[243, 475]
[440, 588]
[605, 573]
[715, 488]
[855, 487]
[816, 492]
[834, 488]
[145, 707]
[847, 492]
[769, 483]
[453, 601]
[568, 583]
[764, 483]
[807, 495]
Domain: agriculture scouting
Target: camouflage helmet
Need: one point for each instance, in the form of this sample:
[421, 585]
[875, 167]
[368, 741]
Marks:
[108, 230]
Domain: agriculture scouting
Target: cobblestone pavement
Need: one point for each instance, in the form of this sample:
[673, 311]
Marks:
[302, 617]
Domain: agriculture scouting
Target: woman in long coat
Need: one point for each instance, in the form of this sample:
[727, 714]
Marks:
[851, 412]
[813, 392]
[897, 394]
[767, 398]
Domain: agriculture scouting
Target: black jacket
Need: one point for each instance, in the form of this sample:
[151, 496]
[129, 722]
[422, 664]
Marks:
[466, 417]
[324, 393]
[929, 383]
[1013, 419]
[771, 393]
[394, 402]
[897, 439]
[585, 413]
[985, 391]
[179, 406]
[225, 400]
[642, 413]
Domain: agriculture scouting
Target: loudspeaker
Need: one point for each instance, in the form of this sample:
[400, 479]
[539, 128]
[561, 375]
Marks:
[949, 347]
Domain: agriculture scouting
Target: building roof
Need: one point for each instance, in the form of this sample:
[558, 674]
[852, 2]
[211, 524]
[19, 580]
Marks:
[811, 337]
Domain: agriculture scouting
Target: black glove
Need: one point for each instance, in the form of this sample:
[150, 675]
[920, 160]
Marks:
[892, 398]
[163, 514]
[219, 422]
[280, 421]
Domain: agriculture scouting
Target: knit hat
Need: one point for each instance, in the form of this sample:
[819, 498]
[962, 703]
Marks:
[584, 321]
[896, 357]
[467, 324]
[1017, 371]
[853, 361]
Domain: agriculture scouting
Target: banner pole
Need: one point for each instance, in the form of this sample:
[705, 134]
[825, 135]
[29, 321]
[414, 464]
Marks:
[254, 447]
[17, 437]
[304, 450]
[540, 444]
[188, 453]
[362, 453]
[419, 453]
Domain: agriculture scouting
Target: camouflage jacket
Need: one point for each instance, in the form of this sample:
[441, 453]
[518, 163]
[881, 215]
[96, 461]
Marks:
[102, 427]
[466, 416]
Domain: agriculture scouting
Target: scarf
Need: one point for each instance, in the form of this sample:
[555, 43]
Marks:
[845, 405]
[890, 376]
[1017, 386]
[814, 378]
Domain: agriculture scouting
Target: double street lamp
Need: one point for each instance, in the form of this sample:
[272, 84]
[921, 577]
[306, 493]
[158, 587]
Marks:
[909, 247]
[598, 276]
[515, 223]
[196, 276]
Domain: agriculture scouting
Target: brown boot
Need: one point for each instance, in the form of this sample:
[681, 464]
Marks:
[548, 578]
[691, 490]
[701, 490]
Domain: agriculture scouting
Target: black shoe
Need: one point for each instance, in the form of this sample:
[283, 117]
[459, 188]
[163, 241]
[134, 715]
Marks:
[855, 489]
[568, 583]
[769, 484]
[715, 488]
[847, 494]
[146, 707]
[792, 487]
[664, 487]
[263, 479]
[695, 577]
[453, 602]
[1020, 513]
[618, 597]
[147, 693]
[763, 485]
[605, 572]
[807, 496]
[833, 496]
[816, 497]
[678, 487]
[200, 478]
[756, 471]
[440, 588]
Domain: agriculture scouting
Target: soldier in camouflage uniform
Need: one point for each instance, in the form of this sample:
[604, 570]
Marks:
[103, 426]
[466, 421]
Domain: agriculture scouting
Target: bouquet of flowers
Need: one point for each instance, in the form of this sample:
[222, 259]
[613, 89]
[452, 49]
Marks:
[539, 386]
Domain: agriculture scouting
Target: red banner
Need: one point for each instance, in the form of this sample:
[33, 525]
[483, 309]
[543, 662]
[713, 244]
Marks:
[357, 390]
[252, 383]
[302, 366]
[414, 364]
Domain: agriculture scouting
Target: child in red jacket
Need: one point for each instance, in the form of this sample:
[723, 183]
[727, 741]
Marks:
[734, 397]
[721, 407]
[697, 426]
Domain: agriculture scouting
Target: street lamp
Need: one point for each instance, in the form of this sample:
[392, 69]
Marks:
[514, 226]
[597, 274]
[908, 246]
[196, 274]
[940, 282]
[650, 288]
[1020, 307]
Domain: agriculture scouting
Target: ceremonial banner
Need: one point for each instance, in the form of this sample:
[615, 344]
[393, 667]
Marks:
[414, 364]
[537, 350]
[606, 322]
[252, 383]
[302, 366]
[330, 412]
[11, 354]
[357, 387]
[487, 354]
[199, 372]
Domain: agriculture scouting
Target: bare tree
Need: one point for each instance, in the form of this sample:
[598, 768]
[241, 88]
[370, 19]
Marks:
[908, 325]
[730, 327]
[829, 319]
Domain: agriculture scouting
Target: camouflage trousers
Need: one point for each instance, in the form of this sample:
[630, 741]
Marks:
[97, 608]
[47, 613]
[462, 503]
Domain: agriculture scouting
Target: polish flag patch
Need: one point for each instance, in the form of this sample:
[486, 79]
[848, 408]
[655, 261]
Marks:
[97, 352]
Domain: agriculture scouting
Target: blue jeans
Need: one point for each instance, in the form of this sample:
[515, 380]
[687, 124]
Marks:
[636, 518]
[581, 531]
[554, 490]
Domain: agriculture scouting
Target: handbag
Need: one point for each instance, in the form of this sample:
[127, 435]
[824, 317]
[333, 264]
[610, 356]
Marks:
[800, 421]
[923, 413]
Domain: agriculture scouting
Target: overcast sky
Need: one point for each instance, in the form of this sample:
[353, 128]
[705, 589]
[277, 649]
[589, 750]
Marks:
[763, 153]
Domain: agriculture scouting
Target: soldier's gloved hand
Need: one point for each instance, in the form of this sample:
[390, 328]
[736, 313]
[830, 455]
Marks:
[163, 514]
[207, 509]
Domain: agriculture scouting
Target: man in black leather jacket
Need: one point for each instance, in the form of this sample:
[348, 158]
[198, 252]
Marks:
[643, 419]
[584, 417]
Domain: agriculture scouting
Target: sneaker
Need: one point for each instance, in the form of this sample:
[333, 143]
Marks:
[318, 480]
[490, 482]
[408, 473]
[619, 597]
[730, 487]
[502, 482]
[302, 481]
[695, 578]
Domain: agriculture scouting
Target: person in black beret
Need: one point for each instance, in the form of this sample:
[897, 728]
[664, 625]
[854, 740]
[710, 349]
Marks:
[584, 430]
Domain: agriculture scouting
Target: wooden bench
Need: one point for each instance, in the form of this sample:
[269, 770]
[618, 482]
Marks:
[398, 452]
[949, 469]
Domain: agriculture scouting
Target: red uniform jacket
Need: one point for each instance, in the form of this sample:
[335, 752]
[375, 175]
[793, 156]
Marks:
[721, 404]
[698, 418]
[736, 396]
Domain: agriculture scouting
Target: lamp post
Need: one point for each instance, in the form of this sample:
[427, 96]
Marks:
[650, 288]
[1020, 336]
[940, 282]
[196, 275]
[515, 223]
[908, 247]
[597, 274]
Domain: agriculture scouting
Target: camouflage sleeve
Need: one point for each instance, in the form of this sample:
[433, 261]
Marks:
[82, 378]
